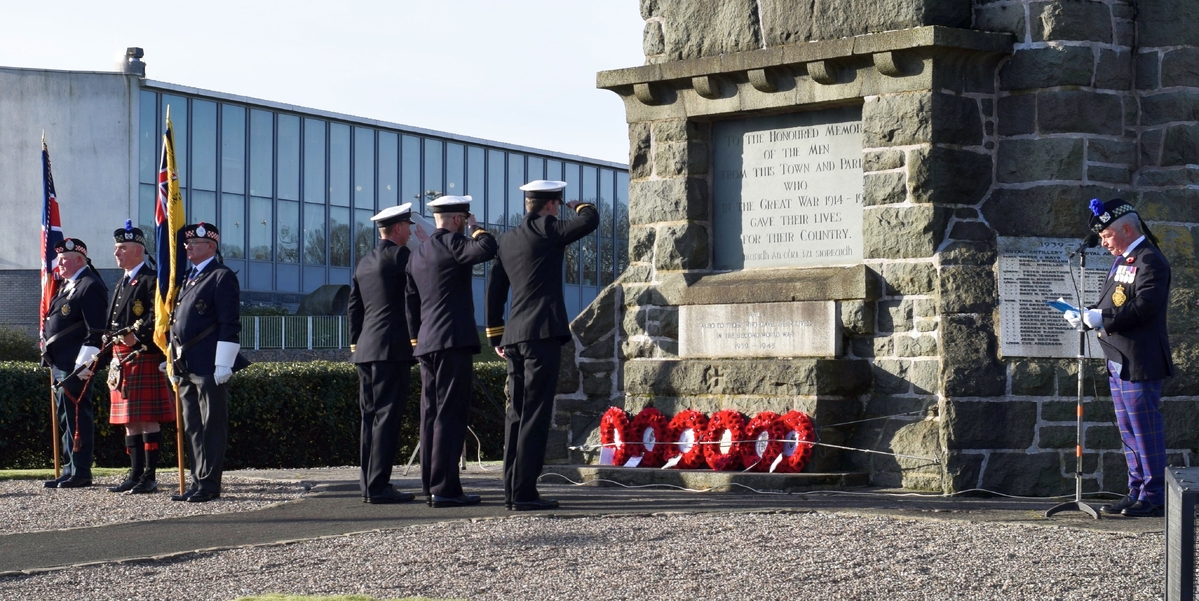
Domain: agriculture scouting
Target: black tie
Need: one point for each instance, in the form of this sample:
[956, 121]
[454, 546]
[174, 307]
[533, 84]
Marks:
[191, 275]
[125, 281]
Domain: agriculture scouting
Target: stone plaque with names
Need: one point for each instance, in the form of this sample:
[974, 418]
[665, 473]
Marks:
[1035, 270]
[794, 329]
[787, 190]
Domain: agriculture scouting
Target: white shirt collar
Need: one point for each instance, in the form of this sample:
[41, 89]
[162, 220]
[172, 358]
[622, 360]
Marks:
[203, 264]
[133, 272]
[1132, 246]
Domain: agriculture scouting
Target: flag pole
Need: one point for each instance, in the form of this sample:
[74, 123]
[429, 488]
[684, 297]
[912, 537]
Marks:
[53, 401]
[179, 449]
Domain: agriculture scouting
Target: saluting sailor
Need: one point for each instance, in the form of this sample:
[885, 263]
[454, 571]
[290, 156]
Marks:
[73, 335]
[137, 385]
[530, 262]
[441, 316]
[204, 339]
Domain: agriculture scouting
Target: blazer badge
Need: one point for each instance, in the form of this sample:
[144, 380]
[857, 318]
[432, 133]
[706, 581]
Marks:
[66, 309]
[201, 307]
[1118, 296]
[138, 309]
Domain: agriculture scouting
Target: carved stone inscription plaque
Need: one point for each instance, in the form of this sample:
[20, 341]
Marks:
[787, 190]
[1035, 270]
[798, 329]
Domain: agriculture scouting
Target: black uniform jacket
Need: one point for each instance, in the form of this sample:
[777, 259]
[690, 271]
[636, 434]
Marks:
[134, 301]
[1134, 333]
[81, 302]
[441, 306]
[213, 297]
[378, 326]
[530, 262]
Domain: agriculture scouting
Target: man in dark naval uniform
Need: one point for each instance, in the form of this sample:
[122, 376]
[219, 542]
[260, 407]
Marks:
[137, 386]
[441, 316]
[1131, 317]
[72, 337]
[204, 341]
[382, 350]
[530, 262]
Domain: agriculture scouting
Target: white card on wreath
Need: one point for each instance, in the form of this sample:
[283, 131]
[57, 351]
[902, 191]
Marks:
[633, 461]
[673, 462]
[607, 455]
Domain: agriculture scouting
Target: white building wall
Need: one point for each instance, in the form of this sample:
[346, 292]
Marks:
[90, 120]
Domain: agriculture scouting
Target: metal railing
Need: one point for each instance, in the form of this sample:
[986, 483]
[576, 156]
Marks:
[295, 332]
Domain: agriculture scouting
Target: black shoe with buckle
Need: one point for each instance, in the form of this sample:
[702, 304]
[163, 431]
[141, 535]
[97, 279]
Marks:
[461, 500]
[389, 496]
[75, 482]
[1118, 506]
[537, 505]
[1144, 509]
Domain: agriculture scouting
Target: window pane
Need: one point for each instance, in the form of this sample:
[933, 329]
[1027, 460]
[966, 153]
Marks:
[233, 149]
[289, 157]
[364, 168]
[289, 232]
[261, 228]
[339, 164]
[587, 191]
[233, 226]
[339, 237]
[536, 168]
[410, 189]
[178, 106]
[148, 138]
[622, 205]
[572, 263]
[202, 207]
[589, 256]
[606, 194]
[314, 169]
[261, 152]
[147, 200]
[475, 176]
[553, 170]
[607, 261]
[314, 234]
[203, 145]
[389, 185]
[364, 234]
[434, 186]
[516, 197]
[572, 182]
[455, 169]
[496, 196]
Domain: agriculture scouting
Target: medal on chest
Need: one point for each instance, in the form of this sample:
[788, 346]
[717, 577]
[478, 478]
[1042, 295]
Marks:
[1118, 296]
[66, 310]
[138, 308]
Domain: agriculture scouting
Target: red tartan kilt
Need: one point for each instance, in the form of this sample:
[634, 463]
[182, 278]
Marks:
[143, 395]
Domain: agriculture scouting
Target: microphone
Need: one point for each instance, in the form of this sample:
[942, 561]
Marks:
[1091, 241]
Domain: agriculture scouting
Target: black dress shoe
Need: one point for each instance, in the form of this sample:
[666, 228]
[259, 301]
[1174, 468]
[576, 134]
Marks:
[458, 501]
[74, 482]
[1144, 509]
[539, 504]
[55, 482]
[203, 496]
[389, 496]
[124, 486]
[1118, 506]
[142, 488]
[185, 496]
[509, 506]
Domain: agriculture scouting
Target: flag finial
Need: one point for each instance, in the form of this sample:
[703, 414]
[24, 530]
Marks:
[43, 139]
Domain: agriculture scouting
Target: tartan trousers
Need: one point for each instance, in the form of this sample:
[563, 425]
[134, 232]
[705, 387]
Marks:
[1143, 430]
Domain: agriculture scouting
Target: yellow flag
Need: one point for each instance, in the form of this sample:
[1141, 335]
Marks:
[168, 216]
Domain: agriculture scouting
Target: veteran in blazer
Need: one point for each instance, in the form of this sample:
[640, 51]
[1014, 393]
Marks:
[72, 336]
[441, 316]
[1131, 317]
[529, 262]
[205, 344]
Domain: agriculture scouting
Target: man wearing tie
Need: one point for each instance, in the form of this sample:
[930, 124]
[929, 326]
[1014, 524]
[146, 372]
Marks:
[1131, 317]
[205, 345]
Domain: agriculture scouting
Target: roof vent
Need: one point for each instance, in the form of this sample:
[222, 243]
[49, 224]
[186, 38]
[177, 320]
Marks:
[133, 64]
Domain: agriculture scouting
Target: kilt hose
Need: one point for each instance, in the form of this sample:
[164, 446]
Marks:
[1143, 430]
[142, 394]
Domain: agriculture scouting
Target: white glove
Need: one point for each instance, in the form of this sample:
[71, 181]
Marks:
[226, 354]
[86, 355]
[1093, 318]
[1074, 319]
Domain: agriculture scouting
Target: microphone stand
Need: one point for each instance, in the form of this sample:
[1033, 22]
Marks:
[1078, 504]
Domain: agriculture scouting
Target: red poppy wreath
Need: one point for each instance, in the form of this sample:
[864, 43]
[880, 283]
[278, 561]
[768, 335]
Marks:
[763, 441]
[648, 430]
[685, 429]
[797, 430]
[613, 434]
[722, 440]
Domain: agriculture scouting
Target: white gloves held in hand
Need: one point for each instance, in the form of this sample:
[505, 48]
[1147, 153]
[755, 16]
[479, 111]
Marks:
[86, 355]
[226, 354]
[1091, 318]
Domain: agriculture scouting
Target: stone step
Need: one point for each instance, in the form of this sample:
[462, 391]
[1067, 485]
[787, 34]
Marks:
[707, 479]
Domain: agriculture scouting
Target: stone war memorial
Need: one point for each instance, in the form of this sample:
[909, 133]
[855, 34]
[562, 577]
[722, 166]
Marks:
[858, 209]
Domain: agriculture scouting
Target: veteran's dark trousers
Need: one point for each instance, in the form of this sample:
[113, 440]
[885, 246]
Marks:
[383, 398]
[532, 377]
[444, 414]
[78, 463]
[206, 425]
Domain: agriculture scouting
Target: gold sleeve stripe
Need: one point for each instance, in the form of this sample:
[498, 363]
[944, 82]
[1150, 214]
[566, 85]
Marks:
[496, 331]
[479, 231]
[353, 348]
[413, 342]
[583, 204]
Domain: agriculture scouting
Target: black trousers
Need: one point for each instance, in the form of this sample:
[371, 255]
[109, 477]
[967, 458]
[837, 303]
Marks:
[532, 376]
[382, 397]
[206, 424]
[78, 463]
[444, 414]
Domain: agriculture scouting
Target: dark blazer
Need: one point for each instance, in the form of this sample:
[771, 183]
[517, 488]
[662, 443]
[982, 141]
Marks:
[80, 302]
[441, 306]
[1134, 333]
[378, 326]
[134, 301]
[213, 297]
[530, 262]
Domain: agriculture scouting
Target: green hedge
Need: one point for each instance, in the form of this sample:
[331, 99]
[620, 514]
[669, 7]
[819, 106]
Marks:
[280, 415]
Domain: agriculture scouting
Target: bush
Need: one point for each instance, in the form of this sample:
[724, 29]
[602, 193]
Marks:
[281, 415]
[16, 345]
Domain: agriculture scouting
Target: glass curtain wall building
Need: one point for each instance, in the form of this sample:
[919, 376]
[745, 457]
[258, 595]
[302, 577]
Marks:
[293, 191]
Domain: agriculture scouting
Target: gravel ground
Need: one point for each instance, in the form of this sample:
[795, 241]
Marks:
[28, 507]
[707, 556]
